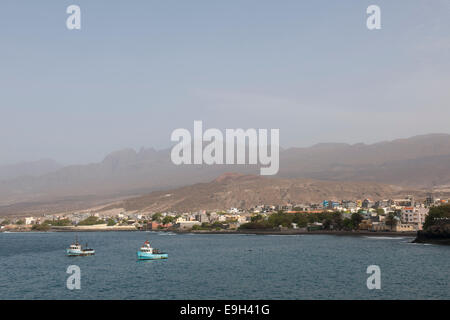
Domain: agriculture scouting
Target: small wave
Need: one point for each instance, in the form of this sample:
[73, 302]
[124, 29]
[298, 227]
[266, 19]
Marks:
[14, 232]
[166, 234]
[160, 233]
[385, 238]
[418, 244]
[285, 235]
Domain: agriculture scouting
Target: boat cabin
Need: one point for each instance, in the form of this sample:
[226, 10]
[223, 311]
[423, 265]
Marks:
[147, 249]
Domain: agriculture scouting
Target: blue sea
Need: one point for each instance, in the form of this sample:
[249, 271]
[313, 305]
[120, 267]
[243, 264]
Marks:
[33, 266]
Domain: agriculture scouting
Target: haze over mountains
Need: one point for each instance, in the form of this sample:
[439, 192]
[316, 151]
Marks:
[34, 169]
[421, 162]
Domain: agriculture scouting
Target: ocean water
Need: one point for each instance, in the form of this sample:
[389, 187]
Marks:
[33, 266]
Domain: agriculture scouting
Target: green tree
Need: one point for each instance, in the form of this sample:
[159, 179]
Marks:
[347, 224]
[167, 219]
[280, 219]
[438, 215]
[337, 220]
[301, 219]
[206, 225]
[40, 227]
[327, 224]
[58, 223]
[111, 222]
[92, 220]
[391, 220]
[356, 219]
[20, 222]
[157, 217]
[255, 225]
[257, 218]
[219, 225]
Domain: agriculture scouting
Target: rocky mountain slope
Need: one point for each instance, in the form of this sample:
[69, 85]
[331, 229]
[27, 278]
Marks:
[421, 162]
[246, 191]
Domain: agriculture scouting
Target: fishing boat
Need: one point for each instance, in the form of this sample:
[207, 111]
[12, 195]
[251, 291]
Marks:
[76, 250]
[146, 252]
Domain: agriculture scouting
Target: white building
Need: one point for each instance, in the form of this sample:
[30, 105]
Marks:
[187, 224]
[415, 215]
[30, 220]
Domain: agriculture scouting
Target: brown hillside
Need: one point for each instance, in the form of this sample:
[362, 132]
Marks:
[245, 191]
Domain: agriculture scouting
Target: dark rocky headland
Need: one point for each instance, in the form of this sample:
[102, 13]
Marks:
[435, 234]
[437, 226]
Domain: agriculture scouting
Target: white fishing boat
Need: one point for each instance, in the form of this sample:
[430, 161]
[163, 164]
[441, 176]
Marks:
[77, 249]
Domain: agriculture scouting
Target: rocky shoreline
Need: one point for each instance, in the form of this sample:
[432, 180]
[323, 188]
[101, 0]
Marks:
[301, 232]
[433, 237]
[249, 232]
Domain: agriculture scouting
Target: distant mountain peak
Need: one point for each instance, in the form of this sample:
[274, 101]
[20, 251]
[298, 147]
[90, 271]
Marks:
[120, 157]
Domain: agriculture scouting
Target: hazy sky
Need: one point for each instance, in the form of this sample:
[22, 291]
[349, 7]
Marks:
[137, 70]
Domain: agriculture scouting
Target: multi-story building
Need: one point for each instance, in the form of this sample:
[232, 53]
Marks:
[367, 203]
[202, 217]
[415, 215]
[349, 204]
[30, 220]
[429, 201]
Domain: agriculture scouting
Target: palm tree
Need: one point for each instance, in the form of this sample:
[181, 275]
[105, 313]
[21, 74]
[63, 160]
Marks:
[391, 220]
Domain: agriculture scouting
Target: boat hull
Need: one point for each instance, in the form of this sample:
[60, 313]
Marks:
[77, 253]
[151, 256]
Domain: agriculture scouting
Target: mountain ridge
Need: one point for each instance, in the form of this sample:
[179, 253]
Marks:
[419, 162]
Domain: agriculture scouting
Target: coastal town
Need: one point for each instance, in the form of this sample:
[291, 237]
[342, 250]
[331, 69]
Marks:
[390, 215]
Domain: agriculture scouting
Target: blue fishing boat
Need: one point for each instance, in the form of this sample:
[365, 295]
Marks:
[146, 252]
